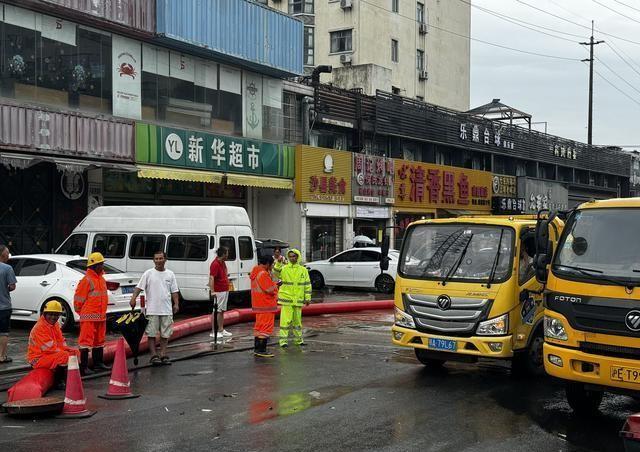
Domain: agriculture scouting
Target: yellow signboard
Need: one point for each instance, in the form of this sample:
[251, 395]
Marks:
[428, 186]
[323, 175]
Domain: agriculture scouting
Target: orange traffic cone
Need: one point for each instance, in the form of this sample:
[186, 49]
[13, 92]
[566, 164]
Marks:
[119, 385]
[74, 401]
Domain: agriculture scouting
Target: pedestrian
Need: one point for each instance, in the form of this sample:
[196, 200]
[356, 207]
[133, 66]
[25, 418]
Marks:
[161, 303]
[264, 302]
[219, 286]
[90, 302]
[47, 346]
[278, 262]
[7, 284]
[294, 292]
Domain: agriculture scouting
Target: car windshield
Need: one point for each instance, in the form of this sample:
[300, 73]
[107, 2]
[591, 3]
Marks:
[601, 244]
[81, 266]
[433, 251]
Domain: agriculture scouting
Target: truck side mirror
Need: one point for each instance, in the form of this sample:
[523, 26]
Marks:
[540, 263]
[384, 253]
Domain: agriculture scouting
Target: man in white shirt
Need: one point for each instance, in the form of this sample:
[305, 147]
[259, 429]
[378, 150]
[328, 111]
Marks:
[161, 302]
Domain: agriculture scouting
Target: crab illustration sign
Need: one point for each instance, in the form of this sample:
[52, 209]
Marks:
[127, 89]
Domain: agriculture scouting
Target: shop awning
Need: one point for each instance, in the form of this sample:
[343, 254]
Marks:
[155, 172]
[22, 161]
[259, 181]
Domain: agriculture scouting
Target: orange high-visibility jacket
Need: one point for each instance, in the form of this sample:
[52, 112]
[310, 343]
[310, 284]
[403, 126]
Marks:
[45, 339]
[264, 291]
[91, 298]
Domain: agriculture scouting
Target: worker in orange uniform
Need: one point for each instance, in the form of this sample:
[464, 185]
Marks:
[90, 302]
[264, 302]
[47, 347]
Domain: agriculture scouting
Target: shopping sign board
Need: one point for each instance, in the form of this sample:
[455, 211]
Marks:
[323, 175]
[435, 186]
[203, 150]
[372, 179]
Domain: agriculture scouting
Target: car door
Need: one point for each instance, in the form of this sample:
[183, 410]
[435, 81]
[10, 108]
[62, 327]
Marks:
[36, 278]
[366, 269]
[227, 237]
[529, 289]
[339, 271]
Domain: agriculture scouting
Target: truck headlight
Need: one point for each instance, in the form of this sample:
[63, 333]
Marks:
[554, 328]
[494, 327]
[403, 319]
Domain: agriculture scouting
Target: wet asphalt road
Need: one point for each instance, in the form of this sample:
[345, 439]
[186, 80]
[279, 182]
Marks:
[348, 389]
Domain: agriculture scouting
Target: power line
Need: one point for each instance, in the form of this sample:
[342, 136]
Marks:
[615, 11]
[576, 23]
[567, 11]
[476, 39]
[623, 59]
[628, 6]
[618, 75]
[616, 88]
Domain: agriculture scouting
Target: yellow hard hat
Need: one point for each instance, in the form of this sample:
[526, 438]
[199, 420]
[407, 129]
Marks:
[53, 306]
[95, 258]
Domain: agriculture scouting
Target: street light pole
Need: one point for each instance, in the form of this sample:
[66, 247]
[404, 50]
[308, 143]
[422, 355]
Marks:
[591, 44]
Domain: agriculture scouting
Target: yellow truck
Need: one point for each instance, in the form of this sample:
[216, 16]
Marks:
[466, 289]
[592, 301]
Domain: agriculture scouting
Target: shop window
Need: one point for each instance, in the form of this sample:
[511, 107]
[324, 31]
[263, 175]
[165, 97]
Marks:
[230, 244]
[90, 77]
[324, 238]
[18, 62]
[110, 245]
[187, 247]
[245, 246]
[75, 245]
[145, 246]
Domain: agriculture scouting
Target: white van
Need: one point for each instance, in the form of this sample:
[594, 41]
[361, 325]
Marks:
[128, 236]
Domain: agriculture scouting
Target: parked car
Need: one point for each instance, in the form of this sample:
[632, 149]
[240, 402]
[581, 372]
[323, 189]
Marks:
[356, 267]
[43, 277]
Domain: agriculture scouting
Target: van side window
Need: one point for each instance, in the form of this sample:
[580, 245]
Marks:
[187, 247]
[230, 244]
[110, 245]
[76, 244]
[246, 248]
[143, 246]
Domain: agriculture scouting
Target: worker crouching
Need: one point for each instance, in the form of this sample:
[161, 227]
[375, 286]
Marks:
[90, 302]
[47, 347]
[264, 302]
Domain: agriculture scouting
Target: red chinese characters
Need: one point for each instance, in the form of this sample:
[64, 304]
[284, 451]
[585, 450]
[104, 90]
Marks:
[448, 187]
[463, 190]
[417, 183]
[434, 185]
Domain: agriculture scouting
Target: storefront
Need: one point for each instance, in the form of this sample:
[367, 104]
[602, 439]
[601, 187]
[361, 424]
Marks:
[425, 191]
[506, 200]
[543, 194]
[323, 189]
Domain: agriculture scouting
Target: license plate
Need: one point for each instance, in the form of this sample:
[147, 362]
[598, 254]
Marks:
[127, 289]
[442, 344]
[626, 374]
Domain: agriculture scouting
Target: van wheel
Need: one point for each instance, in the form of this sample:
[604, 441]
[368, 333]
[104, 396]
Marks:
[583, 401]
[385, 283]
[530, 361]
[432, 363]
[317, 280]
[66, 320]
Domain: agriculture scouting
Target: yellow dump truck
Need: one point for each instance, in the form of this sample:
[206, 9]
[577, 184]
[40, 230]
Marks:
[466, 289]
[592, 302]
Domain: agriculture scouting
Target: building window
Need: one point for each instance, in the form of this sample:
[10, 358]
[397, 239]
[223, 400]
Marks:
[395, 90]
[308, 46]
[420, 13]
[394, 50]
[420, 98]
[300, 6]
[340, 41]
[420, 60]
[395, 6]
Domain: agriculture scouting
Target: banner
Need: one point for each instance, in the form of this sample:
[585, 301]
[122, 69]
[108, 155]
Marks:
[127, 86]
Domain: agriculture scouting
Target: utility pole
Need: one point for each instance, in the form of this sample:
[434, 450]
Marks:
[591, 43]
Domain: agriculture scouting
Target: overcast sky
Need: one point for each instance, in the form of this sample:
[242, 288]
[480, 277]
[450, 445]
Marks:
[555, 90]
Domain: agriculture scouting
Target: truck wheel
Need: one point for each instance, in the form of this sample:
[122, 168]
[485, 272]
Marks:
[317, 281]
[583, 401]
[530, 361]
[428, 361]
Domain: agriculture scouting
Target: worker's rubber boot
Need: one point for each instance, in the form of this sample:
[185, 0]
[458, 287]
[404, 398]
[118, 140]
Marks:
[256, 345]
[262, 348]
[98, 360]
[84, 362]
[60, 377]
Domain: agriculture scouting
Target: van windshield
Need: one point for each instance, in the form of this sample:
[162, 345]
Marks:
[457, 252]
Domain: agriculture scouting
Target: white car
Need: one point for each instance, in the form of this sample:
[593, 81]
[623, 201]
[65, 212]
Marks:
[356, 267]
[44, 277]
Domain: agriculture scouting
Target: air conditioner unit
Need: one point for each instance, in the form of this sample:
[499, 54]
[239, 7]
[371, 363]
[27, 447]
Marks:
[346, 58]
[423, 28]
[423, 75]
[346, 4]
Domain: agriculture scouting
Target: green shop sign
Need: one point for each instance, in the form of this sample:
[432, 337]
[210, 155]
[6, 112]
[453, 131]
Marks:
[200, 150]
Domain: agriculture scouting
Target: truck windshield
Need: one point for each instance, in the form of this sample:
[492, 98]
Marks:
[431, 251]
[601, 244]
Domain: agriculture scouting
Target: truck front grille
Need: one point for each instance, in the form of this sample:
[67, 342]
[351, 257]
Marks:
[615, 351]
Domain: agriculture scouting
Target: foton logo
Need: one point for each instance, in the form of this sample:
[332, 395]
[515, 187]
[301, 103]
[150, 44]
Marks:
[567, 298]
[632, 320]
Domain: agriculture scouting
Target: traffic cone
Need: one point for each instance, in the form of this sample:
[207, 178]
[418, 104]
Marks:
[119, 385]
[74, 401]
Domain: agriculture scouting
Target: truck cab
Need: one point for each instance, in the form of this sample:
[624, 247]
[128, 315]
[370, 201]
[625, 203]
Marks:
[466, 289]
